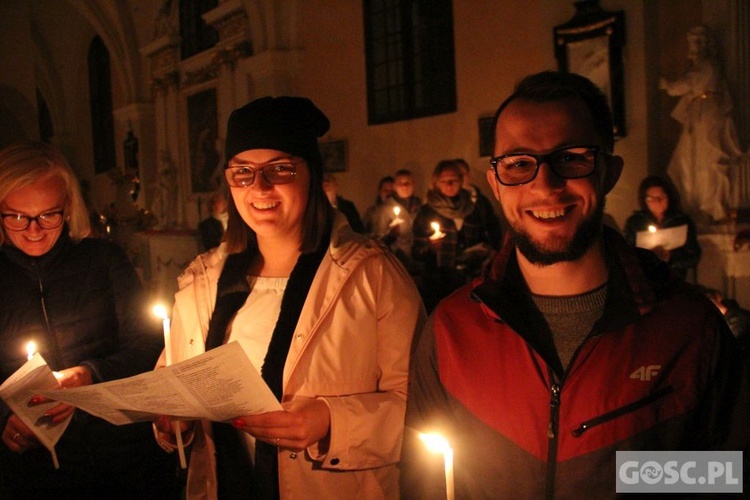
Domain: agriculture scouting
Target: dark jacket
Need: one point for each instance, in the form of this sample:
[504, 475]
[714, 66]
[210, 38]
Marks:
[659, 371]
[82, 304]
[680, 259]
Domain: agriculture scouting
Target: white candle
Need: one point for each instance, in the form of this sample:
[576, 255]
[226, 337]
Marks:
[438, 444]
[161, 312]
[30, 350]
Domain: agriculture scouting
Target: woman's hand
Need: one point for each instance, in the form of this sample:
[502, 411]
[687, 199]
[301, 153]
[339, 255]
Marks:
[662, 253]
[303, 422]
[165, 424]
[17, 437]
[77, 376]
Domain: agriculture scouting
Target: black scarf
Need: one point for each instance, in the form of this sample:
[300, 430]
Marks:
[233, 464]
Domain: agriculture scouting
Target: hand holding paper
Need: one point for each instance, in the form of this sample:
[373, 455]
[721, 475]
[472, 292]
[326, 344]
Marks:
[668, 238]
[31, 379]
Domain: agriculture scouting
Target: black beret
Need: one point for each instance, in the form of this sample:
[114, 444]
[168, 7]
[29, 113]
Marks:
[288, 124]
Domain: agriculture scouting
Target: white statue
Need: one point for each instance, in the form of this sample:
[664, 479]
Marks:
[708, 143]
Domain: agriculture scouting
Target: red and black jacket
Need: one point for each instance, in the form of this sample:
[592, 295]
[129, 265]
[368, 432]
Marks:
[659, 371]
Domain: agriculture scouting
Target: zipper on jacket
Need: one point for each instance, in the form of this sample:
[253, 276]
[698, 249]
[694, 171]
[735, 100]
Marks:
[554, 411]
[51, 341]
[578, 431]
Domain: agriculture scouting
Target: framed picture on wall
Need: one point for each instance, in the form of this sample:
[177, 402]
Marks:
[590, 44]
[203, 126]
[334, 155]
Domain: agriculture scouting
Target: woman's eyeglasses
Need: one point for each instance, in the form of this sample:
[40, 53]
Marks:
[19, 222]
[241, 174]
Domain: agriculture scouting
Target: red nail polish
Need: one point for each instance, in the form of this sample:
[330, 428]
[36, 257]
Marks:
[35, 401]
[238, 422]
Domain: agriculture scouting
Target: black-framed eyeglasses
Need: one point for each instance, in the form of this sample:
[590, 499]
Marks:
[47, 220]
[241, 174]
[571, 162]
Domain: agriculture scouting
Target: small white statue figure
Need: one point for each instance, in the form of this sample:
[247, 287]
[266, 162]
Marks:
[708, 143]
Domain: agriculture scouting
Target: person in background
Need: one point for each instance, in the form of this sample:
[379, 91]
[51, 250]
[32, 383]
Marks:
[737, 318]
[393, 221]
[326, 316]
[482, 203]
[572, 344]
[385, 189]
[346, 207]
[80, 300]
[451, 237]
[212, 228]
[660, 208]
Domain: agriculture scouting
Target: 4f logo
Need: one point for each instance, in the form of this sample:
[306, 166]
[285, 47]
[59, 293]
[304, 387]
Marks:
[646, 373]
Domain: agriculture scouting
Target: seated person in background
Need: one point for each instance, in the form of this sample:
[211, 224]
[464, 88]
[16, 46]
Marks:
[346, 207]
[450, 236]
[212, 228]
[385, 189]
[660, 208]
[393, 221]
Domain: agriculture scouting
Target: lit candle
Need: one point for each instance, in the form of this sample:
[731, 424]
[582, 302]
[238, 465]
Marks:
[438, 444]
[161, 312]
[651, 229]
[30, 350]
[398, 220]
[438, 233]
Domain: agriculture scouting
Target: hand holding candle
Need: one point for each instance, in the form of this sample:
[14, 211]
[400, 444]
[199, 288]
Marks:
[398, 220]
[161, 312]
[438, 234]
[438, 444]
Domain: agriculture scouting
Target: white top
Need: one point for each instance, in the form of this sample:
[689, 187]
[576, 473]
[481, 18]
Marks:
[254, 324]
[255, 321]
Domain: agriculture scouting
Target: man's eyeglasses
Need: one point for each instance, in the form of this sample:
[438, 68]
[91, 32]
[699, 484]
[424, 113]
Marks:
[241, 174]
[19, 222]
[572, 162]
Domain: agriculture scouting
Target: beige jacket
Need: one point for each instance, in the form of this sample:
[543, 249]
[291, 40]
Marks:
[350, 348]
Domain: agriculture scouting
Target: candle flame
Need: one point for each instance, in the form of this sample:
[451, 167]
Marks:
[30, 349]
[435, 442]
[160, 311]
[397, 211]
[435, 226]
[651, 229]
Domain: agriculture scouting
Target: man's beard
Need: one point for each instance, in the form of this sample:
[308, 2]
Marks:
[586, 234]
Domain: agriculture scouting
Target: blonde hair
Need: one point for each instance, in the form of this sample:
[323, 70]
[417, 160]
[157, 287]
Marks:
[29, 162]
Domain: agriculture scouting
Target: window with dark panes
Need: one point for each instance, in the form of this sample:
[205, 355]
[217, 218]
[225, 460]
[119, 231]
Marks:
[411, 70]
[195, 35]
[100, 95]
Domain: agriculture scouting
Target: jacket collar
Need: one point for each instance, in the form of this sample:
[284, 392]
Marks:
[45, 261]
[634, 281]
